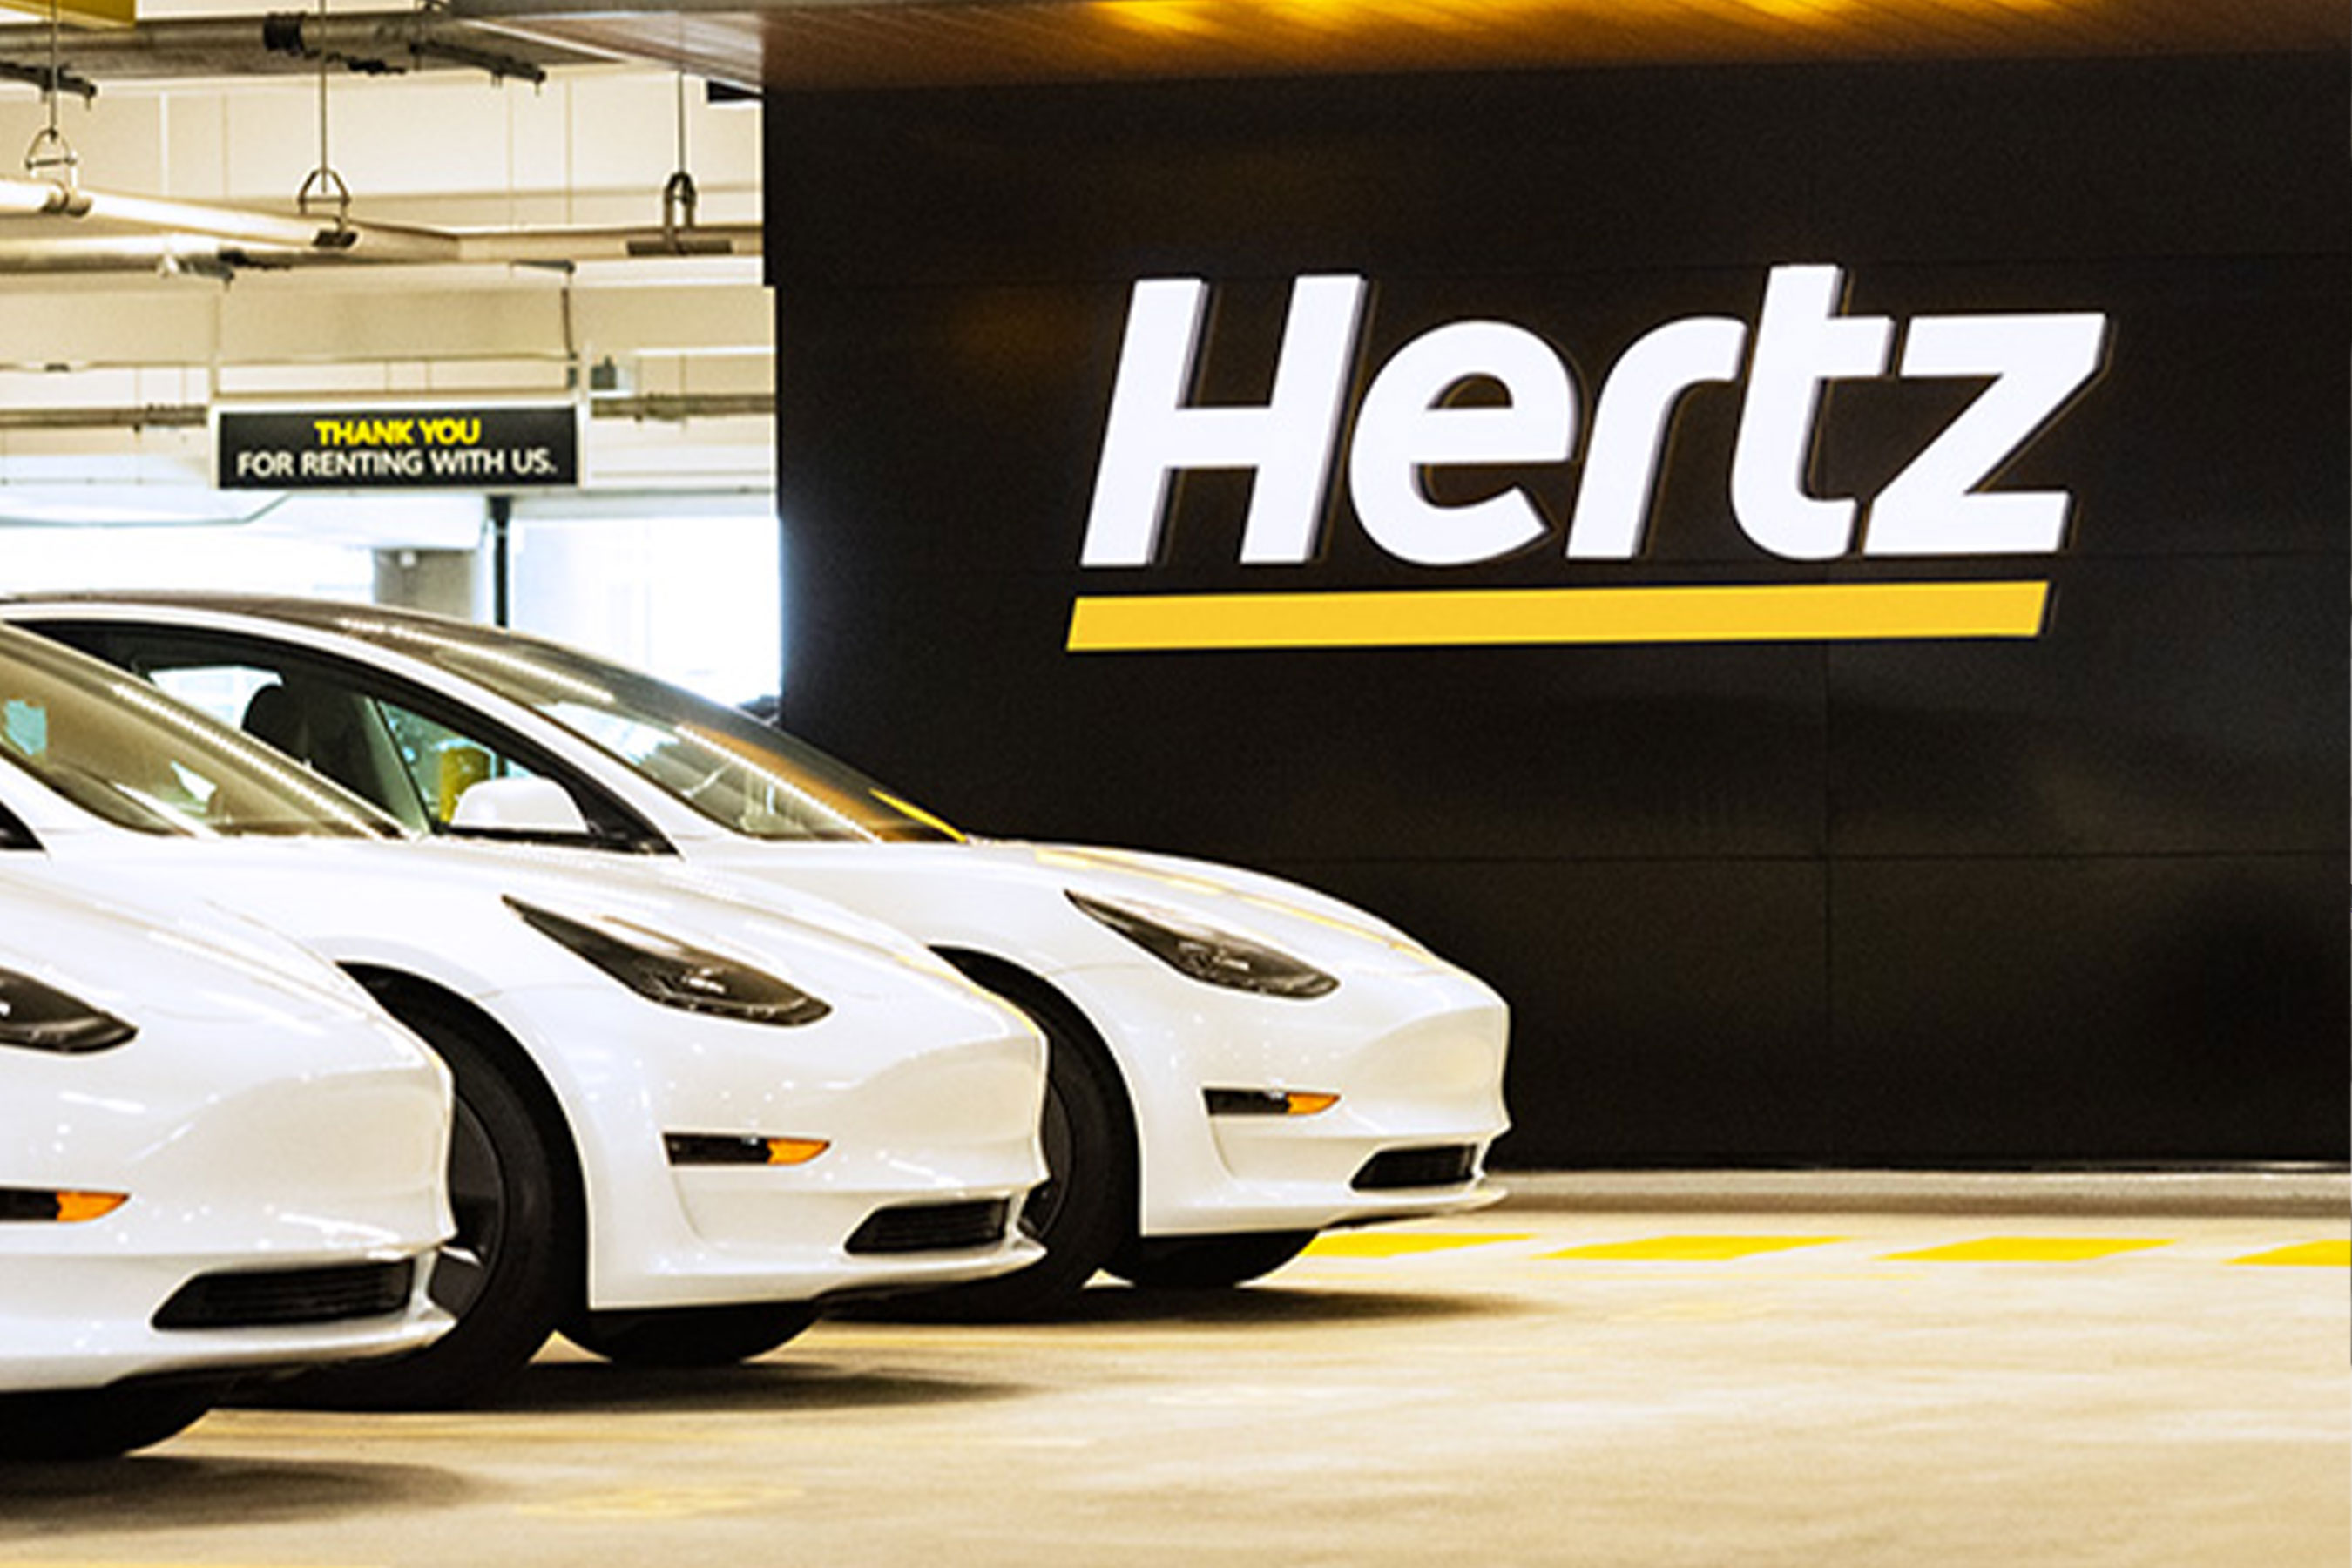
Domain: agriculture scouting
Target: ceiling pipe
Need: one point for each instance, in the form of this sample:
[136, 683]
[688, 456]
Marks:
[143, 417]
[667, 408]
[370, 42]
[213, 253]
[615, 244]
[163, 219]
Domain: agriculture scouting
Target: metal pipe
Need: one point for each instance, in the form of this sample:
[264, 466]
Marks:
[161, 216]
[678, 406]
[372, 42]
[41, 198]
[665, 408]
[147, 416]
[605, 243]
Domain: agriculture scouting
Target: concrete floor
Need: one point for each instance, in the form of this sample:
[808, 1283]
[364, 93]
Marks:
[1439, 1392]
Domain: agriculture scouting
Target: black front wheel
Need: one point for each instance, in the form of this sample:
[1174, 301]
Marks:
[512, 1267]
[84, 1424]
[689, 1336]
[1206, 1262]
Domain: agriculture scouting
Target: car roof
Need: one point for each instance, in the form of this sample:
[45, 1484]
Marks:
[350, 618]
[321, 612]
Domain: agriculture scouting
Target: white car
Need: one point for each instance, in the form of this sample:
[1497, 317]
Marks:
[219, 1162]
[1238, 1062]
[683, 1118]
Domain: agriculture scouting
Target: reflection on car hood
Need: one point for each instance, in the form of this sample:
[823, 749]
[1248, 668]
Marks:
[449, 900]
[113, 939]
[945, 892]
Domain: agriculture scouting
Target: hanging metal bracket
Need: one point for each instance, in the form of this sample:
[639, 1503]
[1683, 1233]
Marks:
[49, 81]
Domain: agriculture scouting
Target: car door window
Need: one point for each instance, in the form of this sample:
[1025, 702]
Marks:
[326, 726]
[414, 767]
[442, 763]
[389, 739]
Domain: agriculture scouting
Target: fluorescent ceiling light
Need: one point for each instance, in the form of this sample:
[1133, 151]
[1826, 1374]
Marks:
[111, 505]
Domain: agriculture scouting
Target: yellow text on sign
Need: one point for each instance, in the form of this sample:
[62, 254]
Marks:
[1470, 617]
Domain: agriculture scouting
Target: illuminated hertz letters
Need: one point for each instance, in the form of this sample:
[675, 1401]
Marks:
[1404, 427]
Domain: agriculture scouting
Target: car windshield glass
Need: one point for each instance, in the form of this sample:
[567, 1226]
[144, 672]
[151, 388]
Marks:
[741, 774]
[121, 751]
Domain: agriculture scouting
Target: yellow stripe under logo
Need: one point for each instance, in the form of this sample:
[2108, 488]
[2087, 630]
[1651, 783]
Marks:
[1793, 612]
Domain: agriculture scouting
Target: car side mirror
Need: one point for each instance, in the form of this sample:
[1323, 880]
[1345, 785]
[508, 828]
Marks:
[518, 805]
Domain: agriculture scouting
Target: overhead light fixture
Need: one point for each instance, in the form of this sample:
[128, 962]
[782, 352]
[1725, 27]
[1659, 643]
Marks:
[680, 236]
[128, 506]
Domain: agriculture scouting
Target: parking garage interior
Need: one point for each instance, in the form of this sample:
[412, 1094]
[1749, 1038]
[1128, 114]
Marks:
[1927, 1067]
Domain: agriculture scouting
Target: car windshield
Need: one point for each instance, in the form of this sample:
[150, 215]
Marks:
[741, 774]
[121, 751]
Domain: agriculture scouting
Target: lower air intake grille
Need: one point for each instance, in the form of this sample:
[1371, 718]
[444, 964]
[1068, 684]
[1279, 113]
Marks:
[1444, 1166]
[256, 1299]
[932, 1228]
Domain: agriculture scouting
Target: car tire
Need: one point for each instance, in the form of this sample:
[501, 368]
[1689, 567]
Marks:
[75, 1425]
[1206, 1262]
[1085, 1209]
[513, 1267]
[689, 1336]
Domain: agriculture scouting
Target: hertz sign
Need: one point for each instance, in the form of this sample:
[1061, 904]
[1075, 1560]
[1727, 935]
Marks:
[1404, 425]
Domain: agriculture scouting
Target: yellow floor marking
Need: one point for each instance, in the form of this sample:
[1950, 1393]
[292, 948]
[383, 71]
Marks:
[1692, 1248]
[2030, 1249]
[1365, 1245]
[2310, 1255]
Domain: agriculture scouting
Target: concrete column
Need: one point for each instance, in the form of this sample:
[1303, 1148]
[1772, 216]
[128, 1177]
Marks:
[450, 582]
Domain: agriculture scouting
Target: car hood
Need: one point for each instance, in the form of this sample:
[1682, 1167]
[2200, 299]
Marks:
[114, 940]
[969, 893]
[445, 908]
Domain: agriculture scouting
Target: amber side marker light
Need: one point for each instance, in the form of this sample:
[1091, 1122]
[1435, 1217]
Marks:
[39, 1206]
[733, 1149]
[1267, 1102]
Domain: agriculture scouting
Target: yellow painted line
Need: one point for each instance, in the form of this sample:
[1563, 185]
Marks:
[1784, 612]
[2310, 1255]
[1689, 1248]
[2030, 1249]
[1351, 1244]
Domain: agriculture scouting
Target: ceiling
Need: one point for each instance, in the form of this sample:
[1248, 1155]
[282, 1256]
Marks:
[825, 44]
[841, 44]
[533, 229]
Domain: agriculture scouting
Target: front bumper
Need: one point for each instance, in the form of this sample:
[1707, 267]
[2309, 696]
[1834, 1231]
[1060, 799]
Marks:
[1414, 1054]
[937, 1128]
[293, 1181]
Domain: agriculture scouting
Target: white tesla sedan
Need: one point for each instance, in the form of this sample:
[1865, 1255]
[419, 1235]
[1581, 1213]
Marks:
[218, 1161]
[1238, 1062]
[683, 1118]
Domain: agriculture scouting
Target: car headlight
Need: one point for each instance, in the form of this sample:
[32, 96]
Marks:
[675, 974]
[1207, 954]
[41, 1018]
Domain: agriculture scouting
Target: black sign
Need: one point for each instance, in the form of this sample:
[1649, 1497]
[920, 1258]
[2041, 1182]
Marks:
[422, 447]
[2076, 893]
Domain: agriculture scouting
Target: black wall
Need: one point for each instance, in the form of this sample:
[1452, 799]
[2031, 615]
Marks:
[2078, 897]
